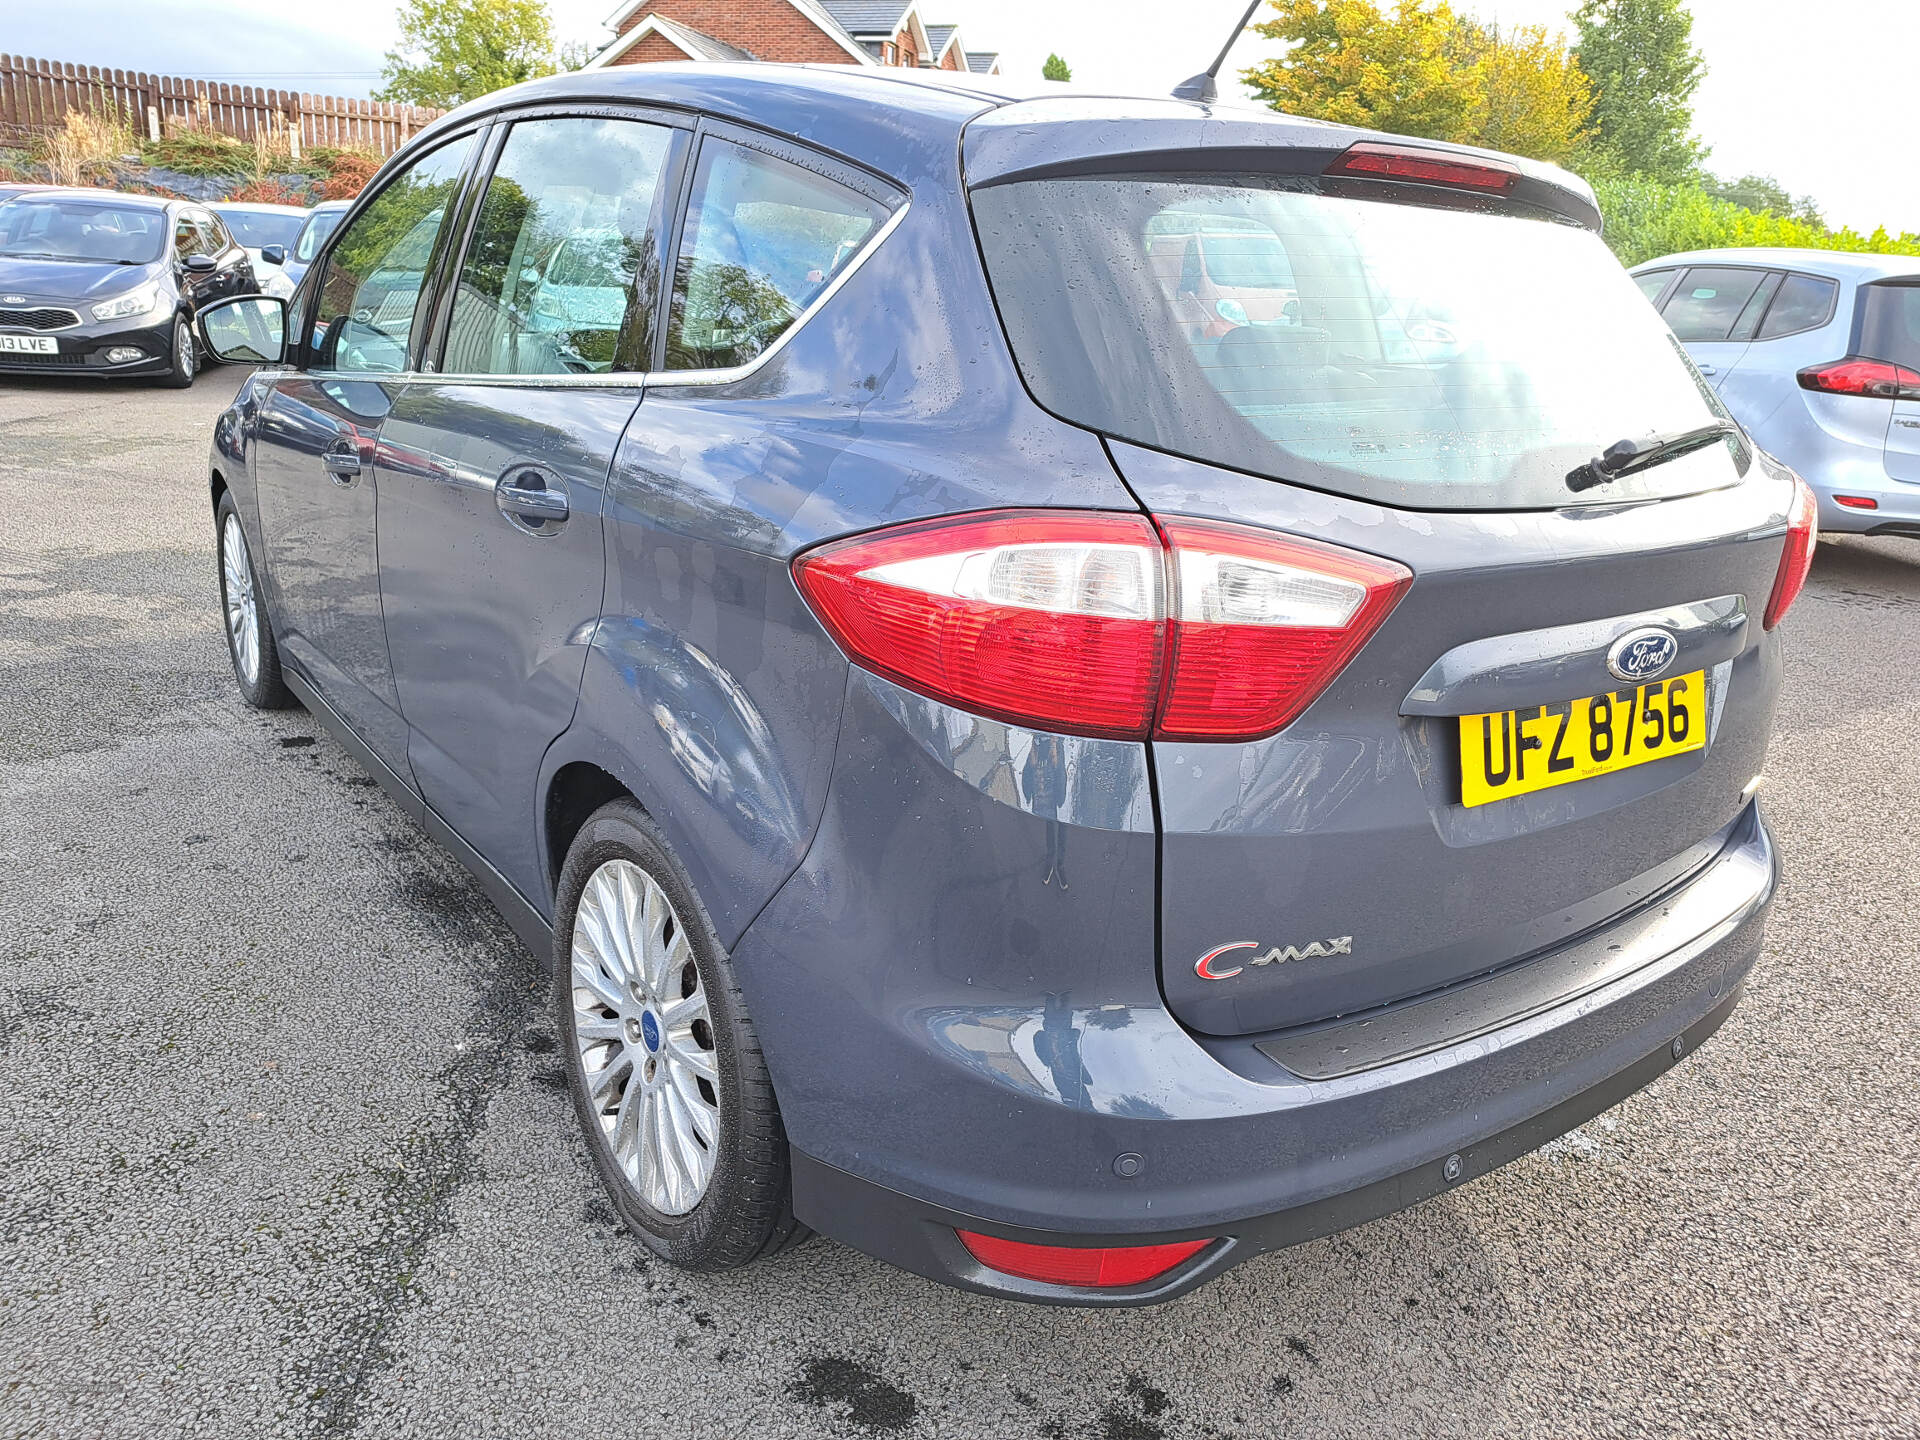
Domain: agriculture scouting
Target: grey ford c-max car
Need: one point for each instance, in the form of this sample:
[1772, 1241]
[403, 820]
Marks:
[1054, 791]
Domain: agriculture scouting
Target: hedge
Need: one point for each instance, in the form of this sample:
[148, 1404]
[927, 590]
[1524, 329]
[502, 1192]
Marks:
[1646, 219]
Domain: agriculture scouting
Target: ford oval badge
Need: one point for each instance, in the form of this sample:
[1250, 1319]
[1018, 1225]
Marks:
[1642, 654]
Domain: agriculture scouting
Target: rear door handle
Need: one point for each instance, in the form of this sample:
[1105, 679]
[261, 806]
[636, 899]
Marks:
[1706, 370]
[529, 496]
[343, 462]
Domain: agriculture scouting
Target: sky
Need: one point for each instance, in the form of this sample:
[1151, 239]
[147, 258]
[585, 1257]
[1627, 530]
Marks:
[1820, 104]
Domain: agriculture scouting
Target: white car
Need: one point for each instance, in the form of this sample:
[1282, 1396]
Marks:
[260, 228]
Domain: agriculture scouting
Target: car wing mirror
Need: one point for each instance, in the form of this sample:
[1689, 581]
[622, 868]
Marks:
[251, 330]
[274, 254]
[201, 264]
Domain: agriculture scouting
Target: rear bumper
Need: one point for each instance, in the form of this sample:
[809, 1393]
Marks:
[1235, 1146]
[919, 1237]
[1896, 508]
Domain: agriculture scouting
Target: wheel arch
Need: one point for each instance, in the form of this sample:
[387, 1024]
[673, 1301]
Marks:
[574, 791]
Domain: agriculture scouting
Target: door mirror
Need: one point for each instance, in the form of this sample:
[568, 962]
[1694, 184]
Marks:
[274, 254]
[250, 331]
[202, 264]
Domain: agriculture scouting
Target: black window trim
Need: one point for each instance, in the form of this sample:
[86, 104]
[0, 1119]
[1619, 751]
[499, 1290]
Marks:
[666, 200]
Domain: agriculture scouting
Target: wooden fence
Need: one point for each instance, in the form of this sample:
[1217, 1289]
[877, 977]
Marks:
[35, 96]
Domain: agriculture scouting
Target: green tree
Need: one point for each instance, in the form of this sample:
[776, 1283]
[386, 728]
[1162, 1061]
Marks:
[1767, 195]
[1425, 70]
[1055, 69]
[1536, 99]
[453, 50]
[1349, 63]
[1639, 55]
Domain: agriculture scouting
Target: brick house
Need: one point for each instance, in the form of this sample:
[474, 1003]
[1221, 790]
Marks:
[818, 32]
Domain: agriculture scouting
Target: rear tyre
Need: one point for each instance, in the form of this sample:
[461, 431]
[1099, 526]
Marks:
[668, 1081]
[250, 644]
[185, 358]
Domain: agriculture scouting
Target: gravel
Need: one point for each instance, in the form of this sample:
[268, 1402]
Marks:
[284, 1145]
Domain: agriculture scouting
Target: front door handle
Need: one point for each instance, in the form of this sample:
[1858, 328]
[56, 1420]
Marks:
[1706, 370]
[532, 498]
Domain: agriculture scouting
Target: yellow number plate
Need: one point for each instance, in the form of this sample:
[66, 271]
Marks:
[1515, 752]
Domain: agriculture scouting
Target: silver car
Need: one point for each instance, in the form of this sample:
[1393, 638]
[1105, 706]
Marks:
[1817, 354]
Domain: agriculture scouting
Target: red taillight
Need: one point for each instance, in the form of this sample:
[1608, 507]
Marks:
[1426, 167]
[1262, 625]
[1857, 502]
[1854, 376]
[1097, 624]
[1092, 1269]
[1803, 530]
[1047, 618]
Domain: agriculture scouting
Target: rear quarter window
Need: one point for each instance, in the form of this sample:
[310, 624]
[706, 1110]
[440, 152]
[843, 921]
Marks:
[1803, 302]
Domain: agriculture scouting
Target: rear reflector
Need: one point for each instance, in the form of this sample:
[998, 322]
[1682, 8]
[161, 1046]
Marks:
[1875, 379]
[1093, 623]
[1095, 1269]
[1425, 167]
[1803, 532]
[1857, 502]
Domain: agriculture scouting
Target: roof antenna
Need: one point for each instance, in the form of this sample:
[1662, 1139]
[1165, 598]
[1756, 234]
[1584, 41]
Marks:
[1201, 86]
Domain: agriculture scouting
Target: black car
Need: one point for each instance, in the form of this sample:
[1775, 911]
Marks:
[95, 283]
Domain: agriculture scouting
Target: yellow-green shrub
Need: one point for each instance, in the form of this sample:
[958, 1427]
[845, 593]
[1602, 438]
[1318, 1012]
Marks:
[1646, 219]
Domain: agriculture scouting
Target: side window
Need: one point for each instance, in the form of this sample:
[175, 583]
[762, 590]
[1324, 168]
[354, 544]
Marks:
[1652, 283]
[763, 238]
[568, 225]
[186, 236]
[1708, 300]
[1804, 302]
[363, 314]
[213, 233]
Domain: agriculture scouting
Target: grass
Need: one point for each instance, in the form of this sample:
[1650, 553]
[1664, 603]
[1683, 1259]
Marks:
[86, 146]
[207, 154]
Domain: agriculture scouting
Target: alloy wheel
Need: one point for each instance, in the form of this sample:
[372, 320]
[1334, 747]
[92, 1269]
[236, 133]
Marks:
[644, 1037]
[183, 348]
[243, 609]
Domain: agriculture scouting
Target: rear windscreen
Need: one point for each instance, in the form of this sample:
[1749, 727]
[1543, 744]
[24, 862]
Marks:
[1890, 324]
[1418, 356]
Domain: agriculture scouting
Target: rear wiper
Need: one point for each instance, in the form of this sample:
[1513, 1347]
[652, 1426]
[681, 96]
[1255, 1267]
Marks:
[1630, 457]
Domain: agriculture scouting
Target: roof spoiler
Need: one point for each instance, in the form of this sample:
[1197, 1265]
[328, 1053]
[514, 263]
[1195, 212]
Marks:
[1038, 139]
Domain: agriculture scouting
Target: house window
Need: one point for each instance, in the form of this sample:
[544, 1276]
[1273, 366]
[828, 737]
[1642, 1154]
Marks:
[886, 52]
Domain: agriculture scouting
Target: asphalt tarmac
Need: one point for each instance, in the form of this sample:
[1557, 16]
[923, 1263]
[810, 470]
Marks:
[285, 1147]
